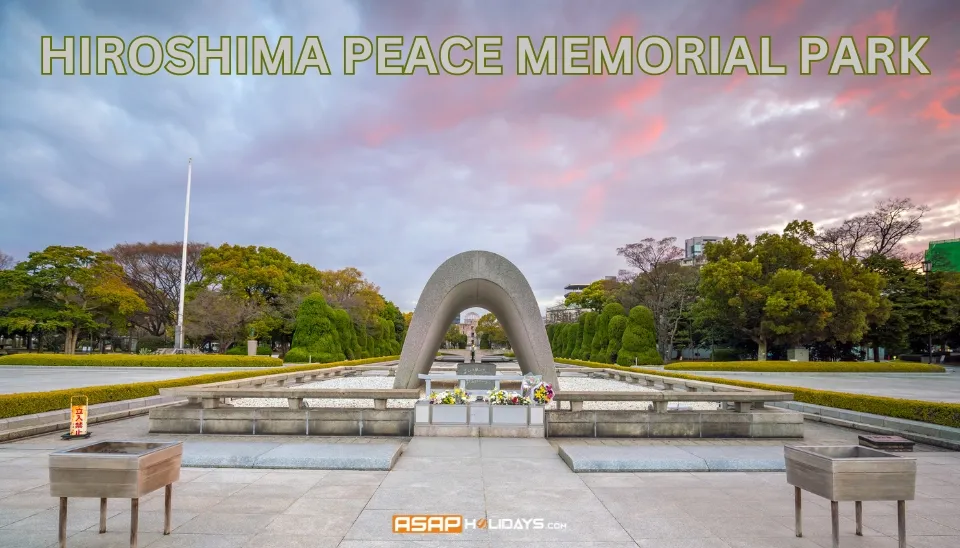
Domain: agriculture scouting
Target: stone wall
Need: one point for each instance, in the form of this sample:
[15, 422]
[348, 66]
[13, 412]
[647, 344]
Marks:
[759, 423]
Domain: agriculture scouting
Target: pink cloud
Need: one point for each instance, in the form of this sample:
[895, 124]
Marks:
[590, 207]
[937, 111]
[639, 141]
[774, 13]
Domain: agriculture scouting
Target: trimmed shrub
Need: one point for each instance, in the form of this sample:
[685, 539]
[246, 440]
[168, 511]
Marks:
[601, 339]
[807, 367]
[28, 403]
[572, 340]
[348, 335]
[618, 325]
[560, 336]
[944, 414]
[578, 342]
[140, 360]
[589, 330]
[639, 340]
[316, 332]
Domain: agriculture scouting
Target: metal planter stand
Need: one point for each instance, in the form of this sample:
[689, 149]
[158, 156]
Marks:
[115, 469]
[851, 473]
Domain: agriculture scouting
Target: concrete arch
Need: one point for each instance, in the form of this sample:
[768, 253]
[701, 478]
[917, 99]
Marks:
[486, 280]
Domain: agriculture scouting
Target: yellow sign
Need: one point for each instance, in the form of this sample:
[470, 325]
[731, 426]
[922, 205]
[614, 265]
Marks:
[78, 416]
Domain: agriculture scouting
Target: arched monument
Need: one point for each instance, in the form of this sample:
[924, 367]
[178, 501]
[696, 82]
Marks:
[485, 280]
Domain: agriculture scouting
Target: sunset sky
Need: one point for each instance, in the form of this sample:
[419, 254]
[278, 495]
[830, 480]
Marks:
[393, 175]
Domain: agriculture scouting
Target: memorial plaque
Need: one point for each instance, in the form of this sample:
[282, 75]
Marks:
[478, 369]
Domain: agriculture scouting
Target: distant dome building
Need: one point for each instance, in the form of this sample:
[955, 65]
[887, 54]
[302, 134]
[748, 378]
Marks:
[468, 324]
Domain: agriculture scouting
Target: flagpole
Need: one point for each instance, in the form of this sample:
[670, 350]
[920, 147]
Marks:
[178, 336]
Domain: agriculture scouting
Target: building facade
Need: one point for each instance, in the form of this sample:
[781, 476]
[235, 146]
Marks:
[693, 249]
[467, 324]
[944, 255]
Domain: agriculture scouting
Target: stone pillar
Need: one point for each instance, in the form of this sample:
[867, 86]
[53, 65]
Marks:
[251, 348]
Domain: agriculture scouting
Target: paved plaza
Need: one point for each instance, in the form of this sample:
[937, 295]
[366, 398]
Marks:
[22, 378]
[489, 477]
[943, 387]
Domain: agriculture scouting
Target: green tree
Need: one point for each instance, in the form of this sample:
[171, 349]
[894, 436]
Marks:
[617, 327]
[490, 332]
[601, 339]
[262, 274]
[856, 292]
[594, 296]
[316, 337]
[455, 337]
[589, 331]
[639, 340]
[69, 289]
[765, 290]
[216, 316]
[270, 280]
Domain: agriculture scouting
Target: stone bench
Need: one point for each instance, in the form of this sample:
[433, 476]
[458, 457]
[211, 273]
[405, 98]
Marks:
[743, 401]
[210, 398]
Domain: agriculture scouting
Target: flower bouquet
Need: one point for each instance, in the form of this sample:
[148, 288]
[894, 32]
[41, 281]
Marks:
[501, 397]
[455, 397]
[543, 393]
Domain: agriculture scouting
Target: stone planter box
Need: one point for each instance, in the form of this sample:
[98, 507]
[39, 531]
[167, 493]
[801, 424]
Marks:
[509, 414]
[448, 414]
[115, 469]
[851, 473]
[479, 414]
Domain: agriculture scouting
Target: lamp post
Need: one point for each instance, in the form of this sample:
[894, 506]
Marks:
[927, 267]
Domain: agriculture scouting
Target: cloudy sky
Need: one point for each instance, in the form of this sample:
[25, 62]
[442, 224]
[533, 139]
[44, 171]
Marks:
[394, 174]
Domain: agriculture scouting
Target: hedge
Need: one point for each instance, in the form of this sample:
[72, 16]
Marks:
[806, 367]
[28, 403]
[137, 360]
[944, 414]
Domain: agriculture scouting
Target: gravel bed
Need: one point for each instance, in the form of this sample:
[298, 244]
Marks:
[566, 383]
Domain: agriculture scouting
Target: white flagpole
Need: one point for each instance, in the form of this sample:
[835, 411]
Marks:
[183, 262]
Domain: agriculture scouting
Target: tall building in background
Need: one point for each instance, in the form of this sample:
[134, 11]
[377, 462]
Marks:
[693, 249]
[456, 319]
[944, 255]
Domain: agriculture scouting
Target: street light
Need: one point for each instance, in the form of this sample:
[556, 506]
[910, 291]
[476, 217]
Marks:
[927, 268]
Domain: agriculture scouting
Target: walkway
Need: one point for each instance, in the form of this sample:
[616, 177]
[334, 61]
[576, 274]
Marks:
[914, 386]
[28, 378]
[496, 479]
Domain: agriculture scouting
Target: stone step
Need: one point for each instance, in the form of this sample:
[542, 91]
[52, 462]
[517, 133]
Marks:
[694, 458]
[300, 455]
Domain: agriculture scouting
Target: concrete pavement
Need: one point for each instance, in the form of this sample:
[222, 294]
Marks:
[942, 387]
[499, 479]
